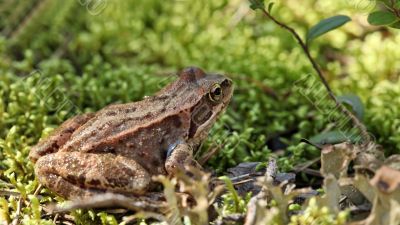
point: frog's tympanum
(119, 148)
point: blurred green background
(90, 54)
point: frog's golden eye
(215, 93)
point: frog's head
(213, 93)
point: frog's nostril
(227, 83)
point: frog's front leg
(79, 175)
(178, 157)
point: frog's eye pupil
(217, 91)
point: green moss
(384, 115)
(314, 214)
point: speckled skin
(119, 148)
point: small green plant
(313, 214)
(232, 202)
(386, 13)
(317, 30)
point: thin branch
(18, 212)
(306, 165)
(111, 200)
(9, 193)
(393, 7)
(355, 120)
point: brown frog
(119, 148)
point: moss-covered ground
(61, 58)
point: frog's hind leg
(58, 137)
(79, 175)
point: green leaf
(257, 4)
(378, 18)
(395, 25)
(261, 166)
(270, 5)
(231, 189)
(333, 137)
(326, 25)
(355, 102)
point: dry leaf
(386, 202)
(335, 159)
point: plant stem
(393, 7)
(357, 123)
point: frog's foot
(58, 137)
(79, 175)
